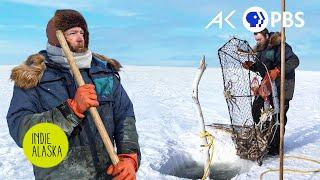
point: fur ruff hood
(29, 73)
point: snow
(168, 126)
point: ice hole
(183, 166)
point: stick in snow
(195, 98)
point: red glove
(247, 64)
(84, 98)
(274, 73)
(126, 167)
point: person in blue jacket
(45, 91)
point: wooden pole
(93, 110)
(282, 88)
(195, 98)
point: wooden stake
(282, 89)
(196, 81)
(93, 110)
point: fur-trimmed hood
(274, 40)
(29, 74)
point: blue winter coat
(43, 99)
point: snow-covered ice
(168, 127)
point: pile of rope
(295, 171)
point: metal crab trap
(251, 139)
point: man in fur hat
(268, 49)
(45, 91)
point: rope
(297, 171)
(210, 145)
(274, 128)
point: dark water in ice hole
(182, 166)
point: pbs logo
(255, 19)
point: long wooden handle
(282, 89)
(93, 110)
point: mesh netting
(237, 80)
(250, 140)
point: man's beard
(262, 46)
(78, 48)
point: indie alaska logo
(45, 145)
(255, 19)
